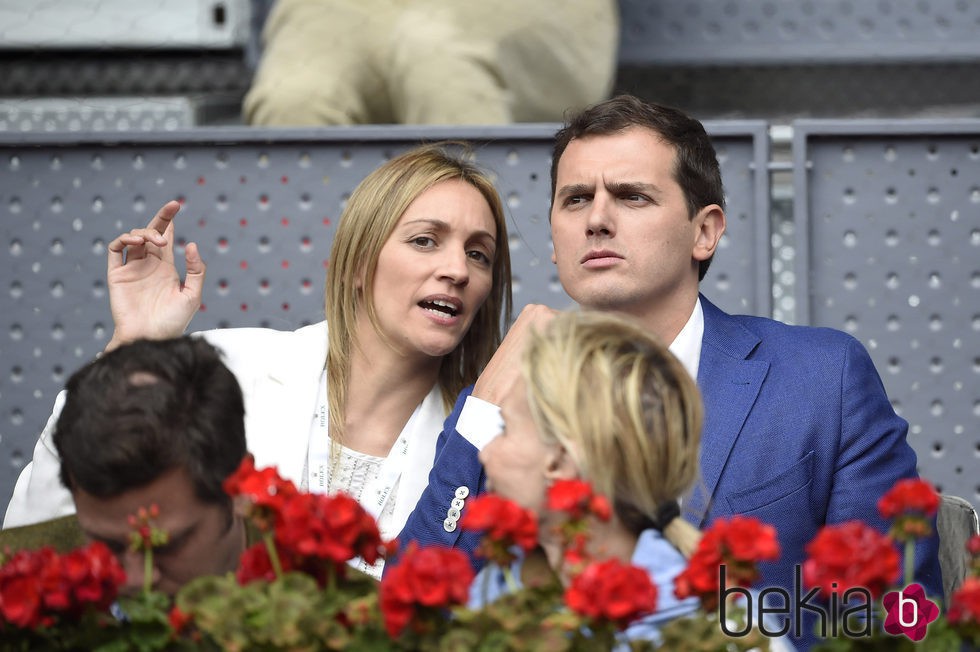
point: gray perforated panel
(888, 249)
(722, 32)
(96, 114)
(124, 24)
(262, 205)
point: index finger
(164, 217)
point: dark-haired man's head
(637, 211)
(694, 164)
(156, 422)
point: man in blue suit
(798, 430)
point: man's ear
(710, 226)
(559, 465)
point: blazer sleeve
(39, 495)
(874, 454)
(456, 474)
(62, 534)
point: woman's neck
(383, 390)
(606, 540)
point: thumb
(194, 279)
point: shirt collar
(686, 347)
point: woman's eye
(423, 241)
(480, 257)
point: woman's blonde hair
(369, 218)
(626, 411)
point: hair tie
(667, 512)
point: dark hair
(147, 408)
(696, 164)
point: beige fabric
(956, 523)
(432, 61)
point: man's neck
(666, 318)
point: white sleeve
(39, 494)
(479, 422)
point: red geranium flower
(911, 503)
(96, 577)
(611, 591)
(178, 619)
(973, 545)
(750, 540)
(738, 543)
(37, 587)
(506, 524)
(909, 495)
(425, 581)
(332, 528)
(851, 555)
(262, 492)
(964, 605)
(20, 601)
(576, 498)
(254, 564)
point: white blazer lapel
(421, 453)
(281, 396)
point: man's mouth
(599, 254)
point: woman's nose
(454, 266)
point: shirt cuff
(479, 422)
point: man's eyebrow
(176, 539)
(615, 187)
(109, 541)
(627, 187)
(576, 189)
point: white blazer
(279, 373)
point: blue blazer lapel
(729, 384)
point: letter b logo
(908, 612)
(903, 610)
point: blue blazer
(798, 433)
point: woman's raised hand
(146, 295)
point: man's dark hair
(147, 408)
(696, 169)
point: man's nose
(600, 218)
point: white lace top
(372, 481)
(352, 474)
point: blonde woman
(602, 400)
(418, 280)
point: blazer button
(453, 513)
(458, 503)
(449, 525)
(462, 492)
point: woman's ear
(559, 465)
